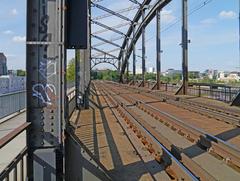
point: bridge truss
(47, 102)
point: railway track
(173, 167)
(212, 111)
(206, 142)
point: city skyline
(213, 31)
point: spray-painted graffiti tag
(43, 90)
(44, 93)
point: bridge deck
(105, 137)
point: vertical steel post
(158, 63)
(126, 55)
(77, 78)
(123, 57)
(143, 49)
(185, 45)
(239, 34)
(46, 88)
(134, 57)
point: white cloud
(14, 12)
(227, 15)
(19, 39)
(208, 21)
(7, 32)
(167, 16)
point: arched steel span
(97, 61)
(151, 14)
(131, 31)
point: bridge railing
(219, 92)
(11, 103)
(214, 91)
(14, 102)
(16, 169)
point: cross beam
(106, 41)
(118, 11)
(112, 40)
(107, 27)
(103, 52)
(111, 12)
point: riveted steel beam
(118, 11)
(111, 40)
(105, 40)
(104, 52)
(111, 12)
(108, 27)
(114, 27)
(46, 88)
(151, 14)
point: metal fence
(11, 103)
(213, 91)
(217, 92)
(16, 170)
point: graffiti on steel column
(45, 90)
(48, 68)
(45, 93)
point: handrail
(13, 165)
(12, 93)
(13, 134)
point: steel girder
(111, 61)
(105, 40)
(151, 14)
(111, 40)
(107, 27)
(104, 52)
(111, 12)
(135, 20)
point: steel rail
(151, 136)
(217, 113)
(226, 150)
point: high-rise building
(3, 64)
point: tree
(21, 73)
(71, 71)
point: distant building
(9, 83)
(151, 70)
(12, 72)
(211, 74)
(172, 72)
(3, 64)
(194, 74)
(228, 76)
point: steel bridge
(55, 118)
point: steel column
(126, 55)
(185, 46)
(123, 56)
(134, 57)
(45, 88)
(143, 49)
(77, 77)
(158, 63)
(119, 67)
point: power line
(179, 19)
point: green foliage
(71, 71)
(21, 73)
(105, 75)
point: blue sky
(213, 31)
